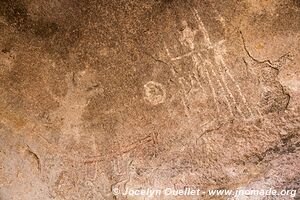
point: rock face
(98, 96)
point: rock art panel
(98, 99)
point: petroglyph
(154, 93)
(210, 75)
(202, 27)
(145, 141)
(187, 36)
(91, 170)
(82, 86)
(147, 94)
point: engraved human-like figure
(209, 81)
(81, 87)
(187, 36)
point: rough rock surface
(97, 94)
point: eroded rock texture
(97, 94)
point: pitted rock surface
(96, 95)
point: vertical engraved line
(237, 85)
(231, 95)
(184, 98)
(228, 90)
(195, 73)
(169, 55)
(202, 27)
(218, 80)
(211, 86)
